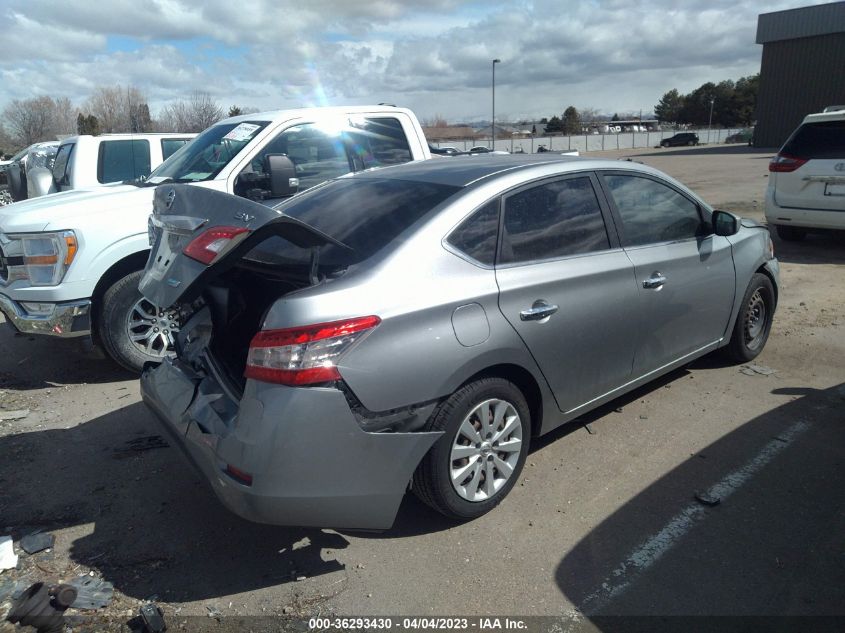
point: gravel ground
(603, 521)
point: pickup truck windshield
(207, 154)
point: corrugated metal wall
(802, 22)
(797, 77)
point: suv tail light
(304, 355)
(211, 244)
(785, 163)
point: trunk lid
(219, 225)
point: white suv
(807, 180)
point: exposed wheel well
(523, 379)
(765, 271)
(127, 265)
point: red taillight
(304, 355)
(785, 163)
(210, 244)
(239, 475)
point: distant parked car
(93, 161)
(444, 150)
(743, 136)
(682, 138)
(806, 188)
(36, 156)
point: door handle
(655, 281)
(539, 311)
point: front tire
(791, 233)
(132, 330)
(486, 432)
(754, 321)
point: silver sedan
(416, 326)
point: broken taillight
(211, 244)
(304, 355)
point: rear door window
(824, 139)
(551, 220)
(123, 160)
(652, 212)
(378, 142)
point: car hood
(58, 210)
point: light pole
(710, 120)
(493, 125)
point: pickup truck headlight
(42, 258)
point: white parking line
(654, 547)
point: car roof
(315, 112)
(833, 115)
(464, 170)
(124, 136)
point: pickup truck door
(322, 150)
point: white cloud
(435, 57)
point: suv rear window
(824, 139)
(366, 215)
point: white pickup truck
(70, 262)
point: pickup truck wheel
(754, 321)
(132, 329)
(486, 430)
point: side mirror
(282, 174)
(725, 223)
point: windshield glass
(207, 154)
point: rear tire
(464, 476)
(754, 321)
(119, 303)
(791, 233)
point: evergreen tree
(669, 107)
(571, 121)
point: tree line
(733, 103)
(109, 109)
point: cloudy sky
(431, 55)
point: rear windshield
(825, 139)
(365, 214)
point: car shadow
(151, 524)
(35, 362)
(769, 545)
(818, 247)
(711, 150)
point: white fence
(589, 142)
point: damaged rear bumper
(310, 461)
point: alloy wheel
(485, 450)
(151, 329)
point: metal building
(803, 68)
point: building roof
(822, 19)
